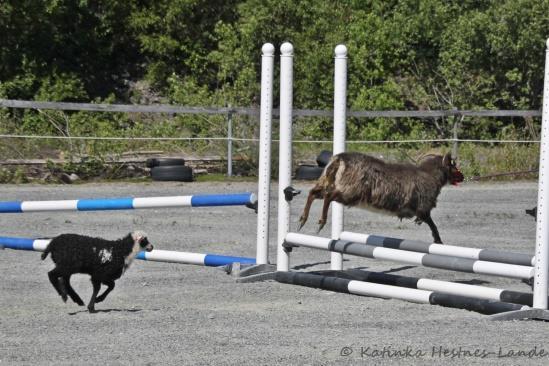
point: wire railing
(231, 111)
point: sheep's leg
(433, 227)
(110, 287)
(73, 295)
(55, 278)
(328, 198)
(314, 193)
(96, 286)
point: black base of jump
(515, 297)
(339, 282)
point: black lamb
(104, 260)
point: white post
(541, 265)
(230, 143)
(285, 160)
(340, 116)
(264, 179)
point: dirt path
(167, 314)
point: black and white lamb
(104, 260)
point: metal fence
(230, 111)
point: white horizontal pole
(409, 257)
(489, 255)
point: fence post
(230, 142)
(455, 133)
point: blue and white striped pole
(167, 256)
(129, 203)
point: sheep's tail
(328, 176)
(45, 252)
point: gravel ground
(162, 314)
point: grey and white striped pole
(340, 117)
(403, 256)
(489, 255)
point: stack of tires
(170, 169)
(312, 172)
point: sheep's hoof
(79, 303)
(92, 310)
(302, 221)
(321, 224)
(64, 298)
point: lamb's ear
(138, 236)
(447, 159)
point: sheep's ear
(447, 159)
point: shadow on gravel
(109, 311)
(398, 269)
(308, 265)
(473, 282)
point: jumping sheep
(399, 189)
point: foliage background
(403, 55)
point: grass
(475, 160)
(218, 177)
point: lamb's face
(145, 245)
(141, 240)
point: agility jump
(438, 256)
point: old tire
(179, 173)
(151, 163)
(308, 172)
(323, 158)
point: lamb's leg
(73, 295)
(433, 227)
(96, 286)
(314, 193)
(55, 278)
(110, 287)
